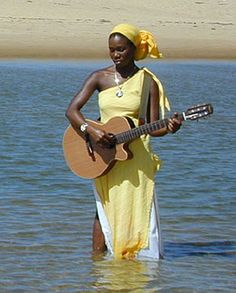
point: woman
(127, 218)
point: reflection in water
(117, 275)
(152, 276)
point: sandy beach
(79, 28)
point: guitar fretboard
(138, 131)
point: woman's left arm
(174, 123)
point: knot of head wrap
(143, 40)
(146, 45)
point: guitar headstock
(198, 112)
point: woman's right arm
(73, 112)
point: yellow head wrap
(143, 41)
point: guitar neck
(143, 129)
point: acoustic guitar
(90, 160)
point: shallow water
(46, 212)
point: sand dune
(79, 29)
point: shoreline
(78, 51)
(168, 54)
(98, 59)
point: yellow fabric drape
(164, 103)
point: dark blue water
(46, 212)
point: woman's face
(121, 50)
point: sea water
(46, 212)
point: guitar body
(90, 160)
(102, 159)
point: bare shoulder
(100, 73)
(104, 77)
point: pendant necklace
(119, 92)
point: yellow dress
(125, 198)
